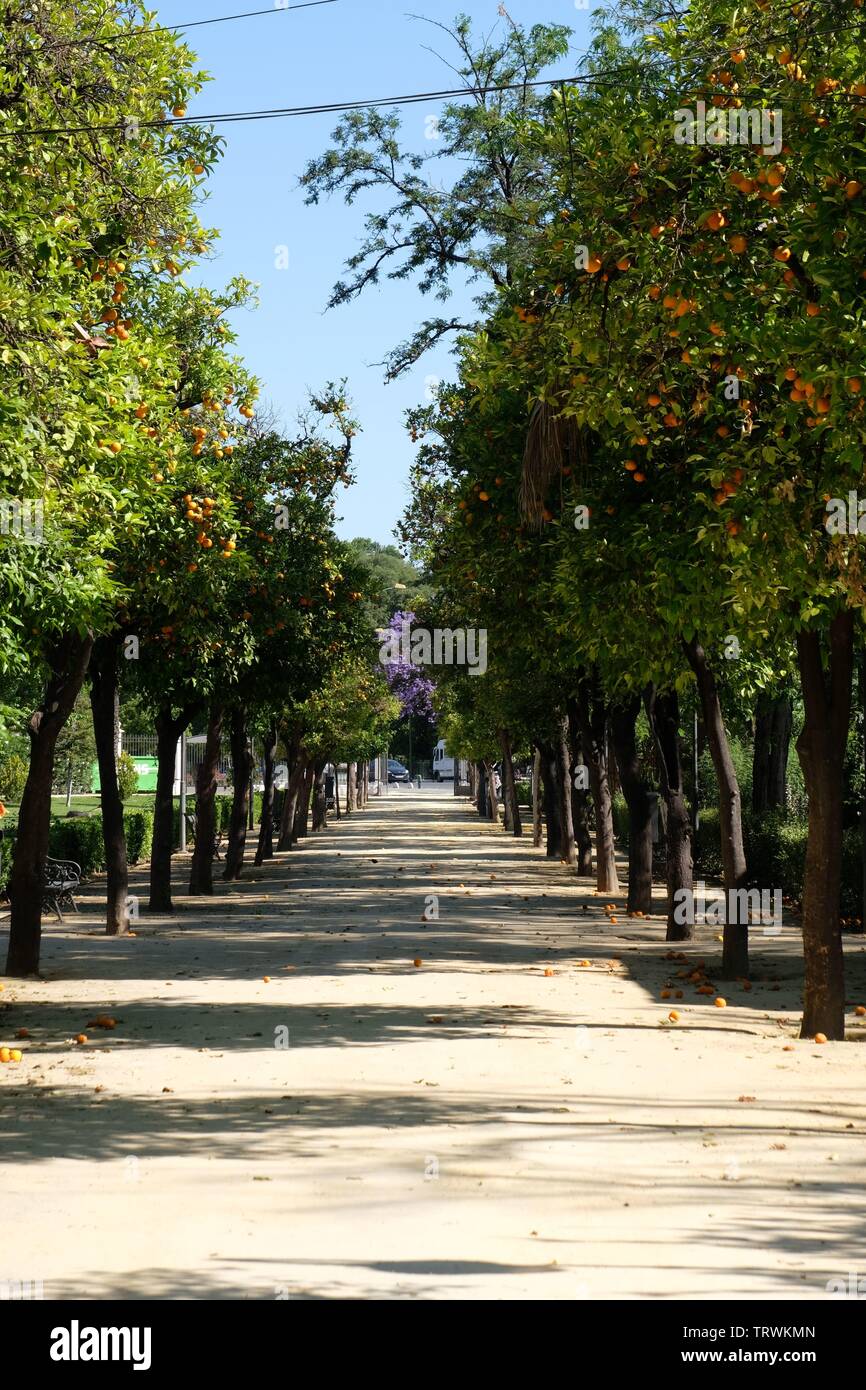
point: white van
(443, 766)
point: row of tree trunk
(573, 774)
(70, 661)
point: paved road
(514, 1118)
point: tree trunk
(640, 801)
(292, 802)
(302, 813)
(168, 731)
(581, 797)
(351, 788)
(67, 662)
(320, 801)
(821, 750)
(592, 714)
(567, 848)
(663, 712)
(242, 767)
(481, 783)
(201, 868)
(552, 799)
(103, 704)
(492, 797)
(509, 785)
(783, 721)
(296, 763)
(265, 847)
(735, 952)
(536, 799)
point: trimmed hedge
(775, 852)
(80, 838)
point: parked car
(397, 772)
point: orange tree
(691, 314)
(90, 218)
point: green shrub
(138, 827)
(13, 775)
(524, 793)
(78, 839)
(127, 777)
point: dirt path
(471, 1128)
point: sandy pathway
(472, 1128)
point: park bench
(190, 831)
(60, 879)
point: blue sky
(353, 49)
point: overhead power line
(196, 23)
(603, 77)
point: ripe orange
(639, 478)
(716, 220)
(81, 1038)
(860, 1010)
(594, 264)
(738, 244)
(782, 253)
(22, 1033)
(266, 979)
(5, 1054)
(820, 1038)
(15, 1055)
(417, 962)
(721, 1003)
(813, 309)
(674, 1016)
(854, 385)
(548, 973)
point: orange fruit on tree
(782, 253)
(738, 243)
(594, 264)
(716, 220)
(854, 385)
